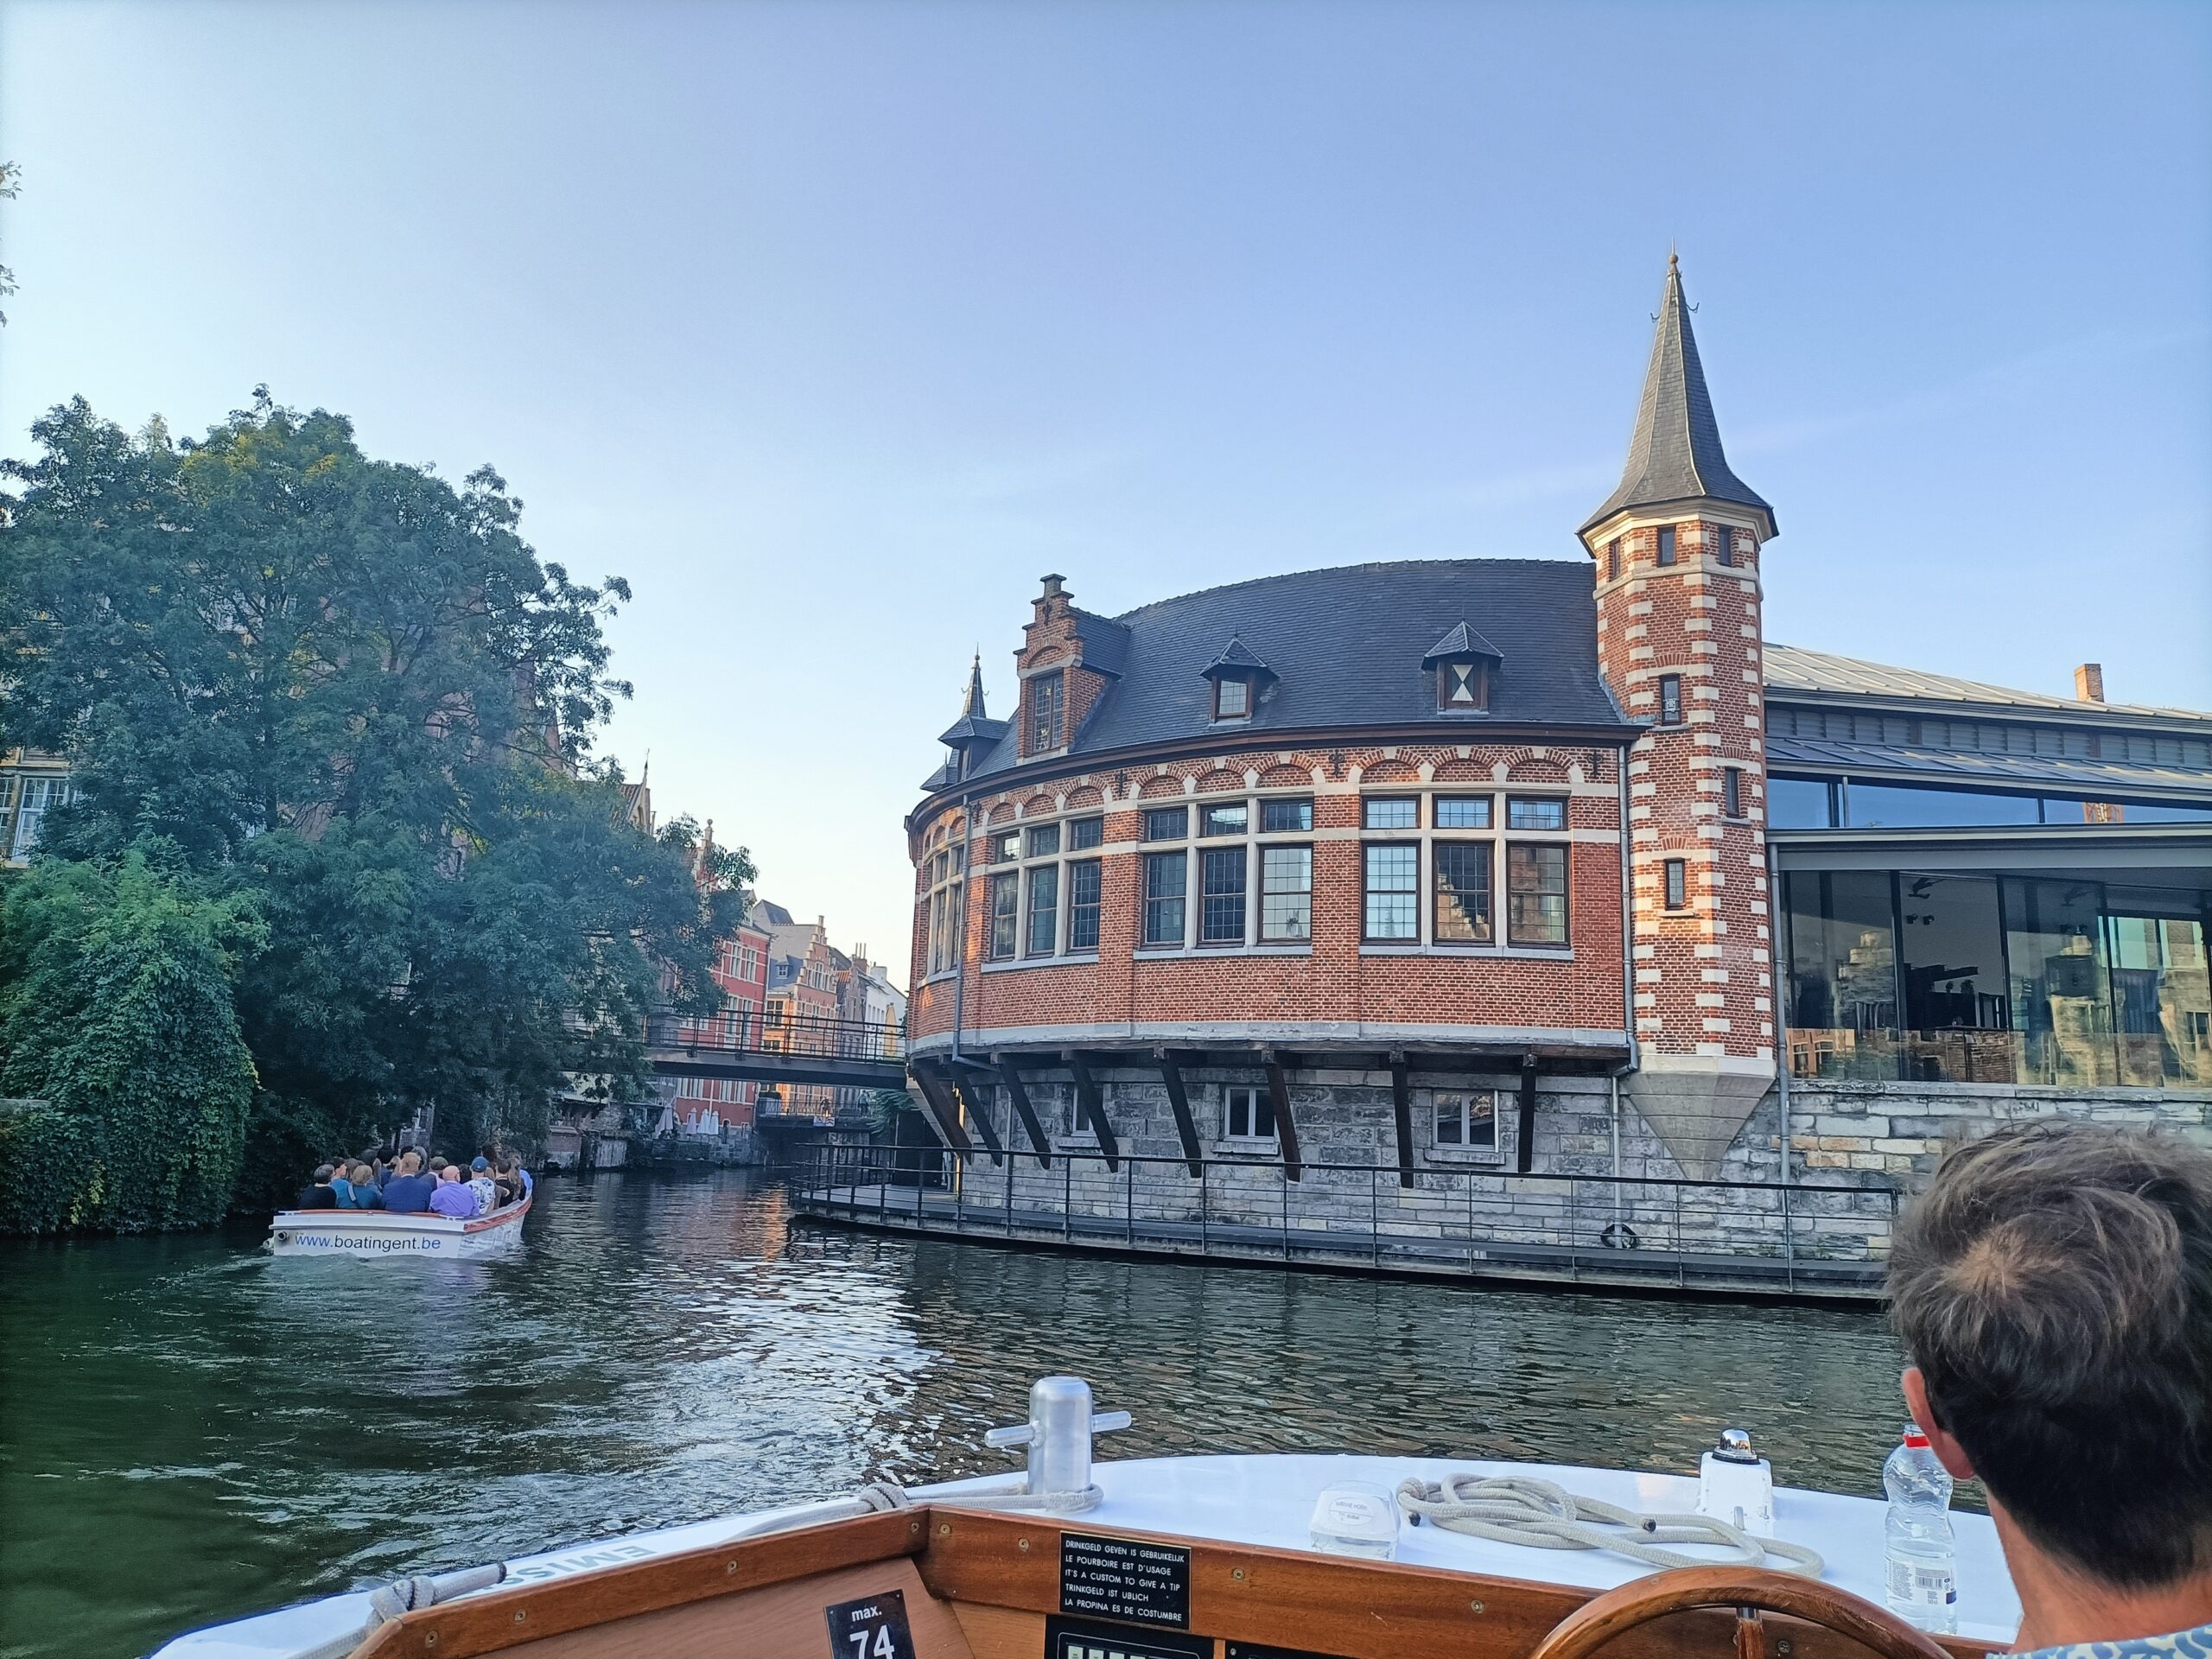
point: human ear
(1947, 1450)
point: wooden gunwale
(1280, 1598)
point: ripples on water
(193, 1431)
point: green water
(190, 1431)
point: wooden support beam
(1402, 1101)
(1186, 1127)
(1094, 1109)
(1039, 1142)
(943, 1111)
(1525, 1152)
(979, 1115)
(1294, 1166)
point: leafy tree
(116, 1013)
(341, 696)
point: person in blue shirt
(408, 1191)
(366, 1195)
(2053, 1286)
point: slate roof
(1788, 669)
(1344, 646)
(1235, 655)
(1462, 642)
(1675, 453)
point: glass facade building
(1950, 977)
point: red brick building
(1331, 866)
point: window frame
(1095, 908)
(1237, 857)
(1257, 1099)
(1669, 687)
(1147, 939)
(1564, 848)
(1045, 711)
(1045, 870)
(1462, 1108)
(1731, 792)
(1304, 890)
(1724, 546)
(1497, 833)
(1369, 891)
(1675, 892)
(1477, 678)
(1009, 883)
(1458, 845)
(1221, 711)
(1665, 550)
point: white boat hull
(1267, 1501)
(379, 1235)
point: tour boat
(1282, 1556)
(382, 1233)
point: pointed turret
(974, 735)
(1675, 455)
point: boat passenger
(2053, 1287)
(318, 1196)
(341, 1182)
(453, 1197)
(365, 1193)
(481, 1183)
(408, 1191)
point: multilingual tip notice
(1124, 1578)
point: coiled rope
(1518, 1509)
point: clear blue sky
(833, 326)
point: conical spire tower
(1675, 455)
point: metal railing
(732, 1031)
(1450, 1218)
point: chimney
(1053, 586)
(2090, 683)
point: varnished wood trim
(504, 1619)
(1606, 1619)
(1330, 1605)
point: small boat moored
(375, 1233)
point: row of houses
(781, 980)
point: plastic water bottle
(1922, 1581)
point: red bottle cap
(1914, 1437)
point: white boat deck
(1266, 1501)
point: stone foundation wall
(1867, 1145)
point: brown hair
(2053, 1285)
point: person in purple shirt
(453, 1197)
(408, 1191)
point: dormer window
(1464, 664)
(1463, 684)
(1046, 712)
(1236, 675)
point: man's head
(449, 1173)
(2053, 1287)
(411, 1163)
(480, 1166)
(322, 1174)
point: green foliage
(115, 1012)
(344, 697)
(885, 1107)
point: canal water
(190, 1431)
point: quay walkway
(1765, 1239)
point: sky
(832, 328)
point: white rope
(1517, 1509)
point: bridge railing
(734, 1031)
(1454, 1217)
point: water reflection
(194, 1431)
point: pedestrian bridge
(766, 1048)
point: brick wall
(1335, 978)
